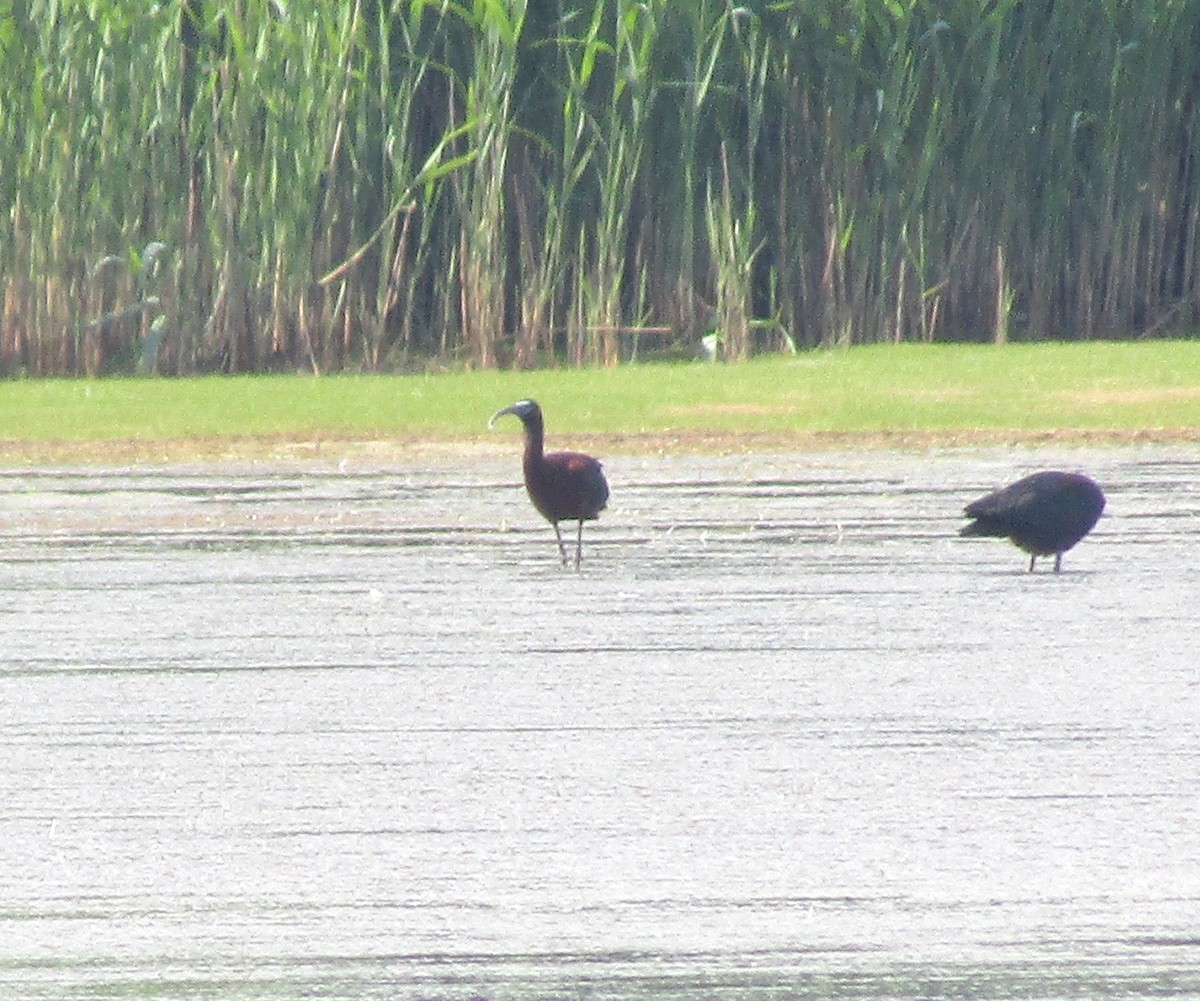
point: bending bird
(1045, 514)
(564, 486)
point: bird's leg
(1032, 561)
(1058, 562)
(579, 546)
(562, 550)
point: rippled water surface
(353, 733)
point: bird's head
(527, 410)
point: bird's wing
(1008, 502)
(586, 477)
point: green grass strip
(1120, 386)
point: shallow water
(353, 733)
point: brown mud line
(405, 447)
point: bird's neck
(534, 442)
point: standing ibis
(1044, 514)
(564, 486)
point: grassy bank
(946, 393)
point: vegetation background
(245, 185)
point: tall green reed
(623, 102)
(484, 98)
(555, 162)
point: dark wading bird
(564, 486)
(1045, 514)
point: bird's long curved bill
(500, 413)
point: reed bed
(244, 185)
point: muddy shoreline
(335, 448)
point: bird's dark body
(564, 486)
(1045, 514)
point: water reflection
(299, 732)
